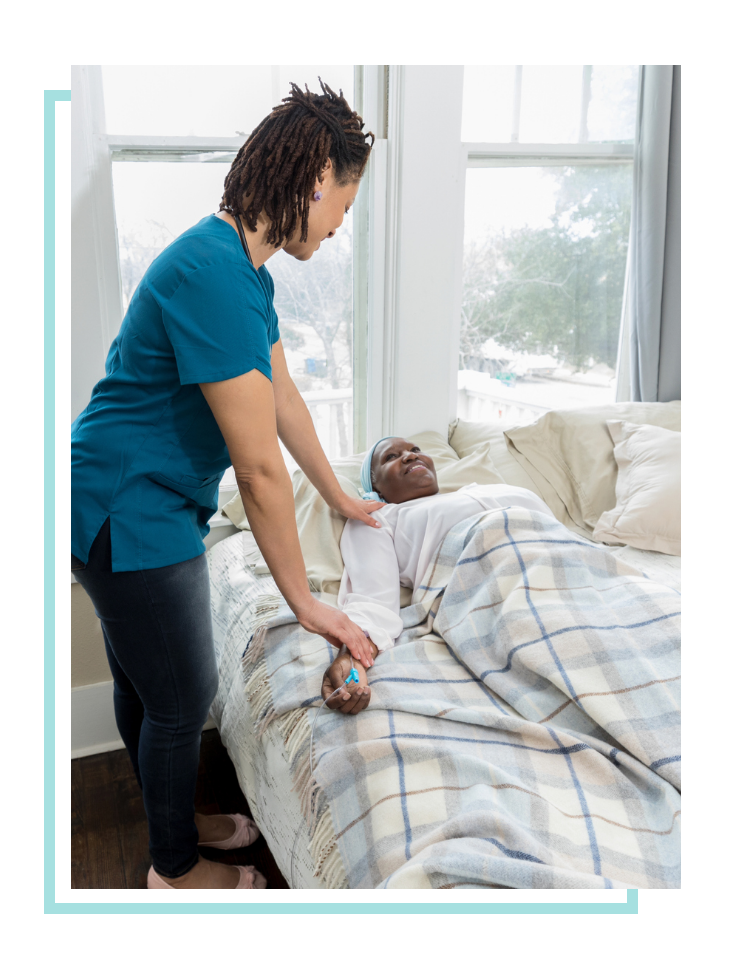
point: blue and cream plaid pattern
(523, 732)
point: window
(173, 133)
(547, 209)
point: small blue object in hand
(352, 677)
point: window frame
(408, 237)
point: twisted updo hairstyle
(276, 168)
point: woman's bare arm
(244, 410)
(297, 432)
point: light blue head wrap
(368, 492)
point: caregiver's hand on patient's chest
(353, 508)
(353, 698)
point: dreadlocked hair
(276, 168)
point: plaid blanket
(523, 732)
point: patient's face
(400, 471)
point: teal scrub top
(147, 451)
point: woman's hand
(353, 698)
(353, 508)
(337, 628)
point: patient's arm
(354, 697)
(369, 590)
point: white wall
(425, 195)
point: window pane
(223, 100)
(545, 251)
(557, 103)
(156, 202)
(314, 300)
(613, 106)
(488, 93)
(551, 103)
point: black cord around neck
(242, 236)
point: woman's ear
(327, 168)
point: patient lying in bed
(377, 562)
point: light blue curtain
(654, 299)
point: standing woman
(195, 381)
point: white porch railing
(324, 407)
(485, 405)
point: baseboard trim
(93, 721)
(97, 748)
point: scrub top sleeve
(275, 334)
(219, 322)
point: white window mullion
(96, 292)
(368, 262)
(175, 149)
(547, 154)
(425, 176)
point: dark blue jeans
(158, 637)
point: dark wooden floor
(109, 833)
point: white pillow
(648, 490)
(467, 437)
(568, 454)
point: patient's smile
(393, 461)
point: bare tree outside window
(314, 302)
(137, 249)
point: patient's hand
(353, 698)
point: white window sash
(480, 154)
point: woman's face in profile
(400, 471)
(326, 216)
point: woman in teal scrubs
(195, 381)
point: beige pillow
(320, 527)
(569, 455)
(466, 437)
(648, 510)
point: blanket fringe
(258, 694)
(266, 606)
(295, 729)
(326, 855)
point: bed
(245, 598)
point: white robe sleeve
(369, 589)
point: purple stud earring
(318, 194)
